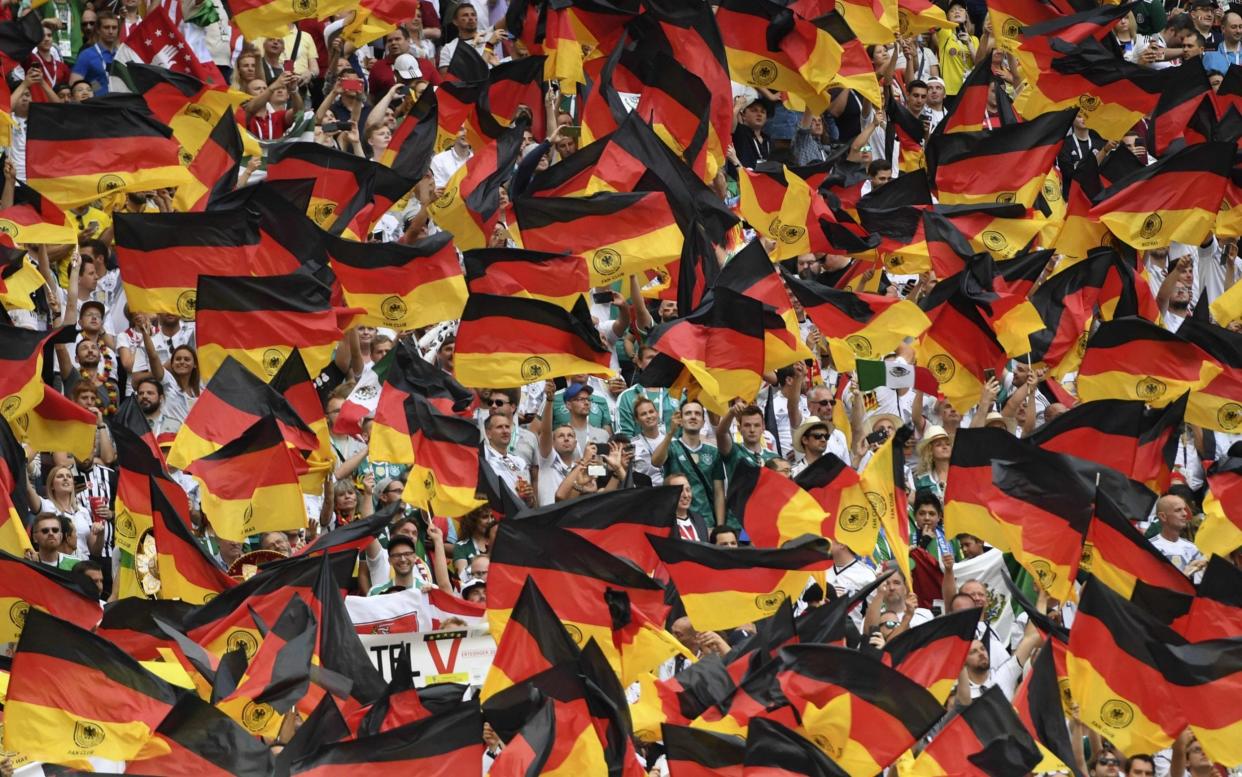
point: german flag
(79, 152)
(129, 623)
(374, 19)
(602, 108)
(677, 104)
(137, 462)
(932, 654)
(1039, 702)
(1122, 434)
(1021, 499)
(1225, 309)
(615, 234)
(400, 286)
(470, 206)
(779, 204)
(856, 70)
(874, 21)
(985, 738)
(34, 219)
(1221, 531)
(533, 641)
(1192, 181)
(1131, 358)
(1113, 675)
(963, 164)
(59, 424)
(558, 739)
(720, 345)
(773, 48)
(21, 357)
(251, 484)
(447, 461)
(214, 167)
(915, 17)
(722, 588)
(25, 585)
(266, 19)
(1197, 674)
(73, 695)
(504, 342)
(293, 382)
(774, 508)
(277, 675)
(445, 743)
(1117, 555)
(259, 321)
(559, 278)
(617, 521)
(1114, 94)
(413, 141)
(685, 696)
(1216, 610)
(202, 740)
(868, 714)
(350, 192)
(860, 325)
(233, 401)
(905, 133)
(186, 571)
(1066, 302)
(774, 749)
(1182, 111)
(191, 104)
(1215, 406)
(584, 585)
(694, 752)
(511, 89)
(162, 255)
(1014, 319)
(960, 344)
(406, 374)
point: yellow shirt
(956, 60)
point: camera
(877, 437)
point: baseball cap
(406, 66)
(574, 389)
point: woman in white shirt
(181, 381)
(650, 433)
(62, 501)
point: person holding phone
(956, 48)
(274, 107)
(62, 501)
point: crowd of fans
(556, 440)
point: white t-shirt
(1181, 552)
(851, 579)
(644, 447)
(445, 165)
(1006, 676)
(552, 472)
(509, 467)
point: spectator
(93, 63)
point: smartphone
(338, 126)
(601, 297)
(79, 482)
(352, 84)
(596, 470)
(288, 65)
(989, 374)
(402, 90)
(877, 437)
(572, 131)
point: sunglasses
(393, 490)
(822, 402)
(818, 435)
(47, 530)
(1108, 762)
(866, 149)
(497, 402)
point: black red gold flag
(444, 451)
(685, 696)
(79, 152)
(1066, 302)
(560, 278)
(214, 168)
(960, 346)
(720, 345)
(1221, 530)
(1192, 182)
(1040, 702)
(617, 521)
(413, 141)
(750, 272)
(231, 402)
(886, 711)
(505, 342)
(906, 133)
(965, 111)
(722, 588)
(558, 736)
(265, 18)
(962, 165)
(866, 326)
(130, 624)
(202, 740)
(57, 423)
(1215, 612)
(408, 374)
(21, 365)
(73, 695)
(350, 194)
(35, 219)
(932, 654)
(25, 585)
(1130, 358)
(258, 321)
(18, 36)
(1184, 113)
(187, 572)
(445, 744)
(615, 234)
(533, 641)
(694, 752)
(1215, 405)
(774, 749)
(1117, 555)
(162, 255)
(400, 286)
(470, 207)
(985, 738)
(1114, 677)
(583, 585)
(15, 510)
(1023, 500)
(782, 206)
(250, 485)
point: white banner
(450, 656)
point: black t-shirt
(750, 150)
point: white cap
(406, 66)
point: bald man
(1174, 515)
